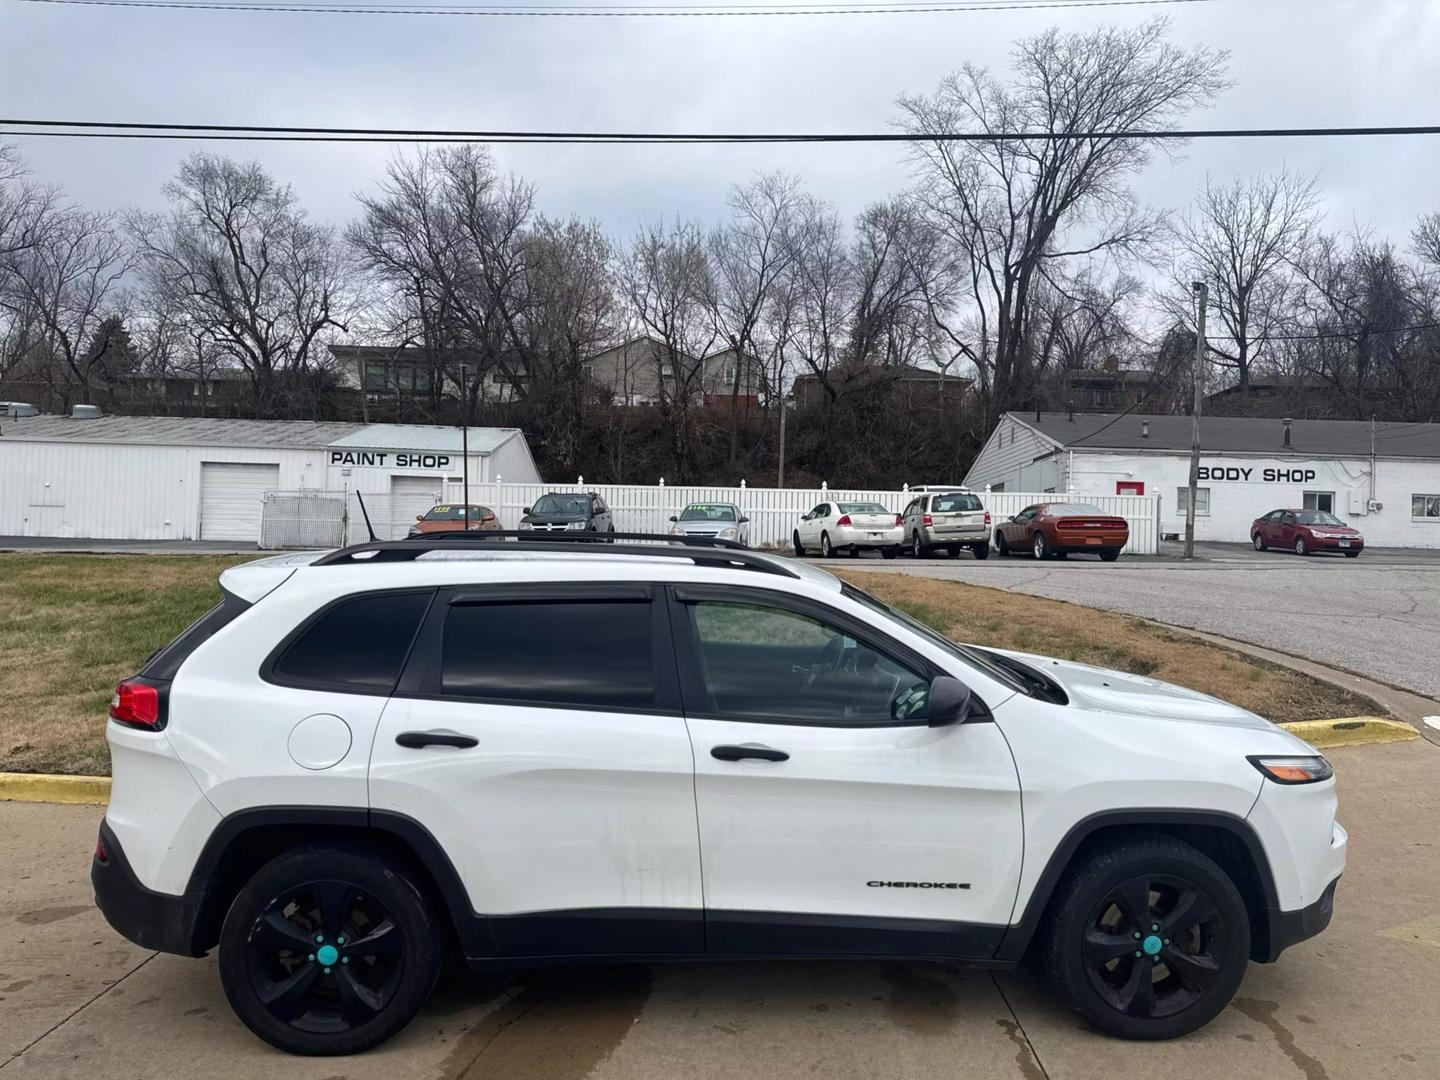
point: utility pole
(465, 440)
(780, 464)
(1201, 296)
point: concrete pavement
(1378, 615)
(1358, 1002)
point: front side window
(595, 654)
(768, 664)
(359, 644)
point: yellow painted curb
(43, 787)
(1351, 731)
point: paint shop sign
(382, 459)
(1256, 474)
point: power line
(255, 132)
(318, 7)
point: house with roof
(1381, 478)
(909, 384)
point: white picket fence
(773, 512)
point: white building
(174, 478)
(1385, 482)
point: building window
(1320, 500)
(1202, 500)
(1425, 507)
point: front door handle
(748, 752)
(416, 740)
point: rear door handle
(748, 752)
(416, 740)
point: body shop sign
(1256, 474)
(381, 459)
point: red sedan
(1050, 530)
(1305, 532)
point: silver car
(949, 520)
(712, 519)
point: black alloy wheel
(329, 951)
(1150, 940)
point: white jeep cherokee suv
(668, 751)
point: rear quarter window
(357, 645)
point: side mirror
(1014, 517)
(674, 518)
(526, 510)
(743, 520)
(950, 702)
(419, 517)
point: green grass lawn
(72, 626)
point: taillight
(927, 521)
(844, 520)
(987, 517)
(899, 519)
(136, 704)
(101, 855)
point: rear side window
(359, 644)
(591, 653)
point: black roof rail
(709, 550)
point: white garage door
(411, 496)
(231, 494)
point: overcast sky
(1294, 62)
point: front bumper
(1291, 927)
(152, 920)
(1334, 544)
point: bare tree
(1013, 208)
(1242, 239)
(669, 288)
(254, 278)
(750, 255)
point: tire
(917, 549)
(854, 551)
(891, 552)
(1352, 554)
(1109, 554)
(1090, 951)
(1259, 542)
(982, 551)
(1002, 545)
(1301, 548)
(330, 894)
(799, 547)
(1041, 546)
(826, 551)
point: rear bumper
(891, 537)
(1291, 927)
(937, 538)
(150, 919)
(1083, 541)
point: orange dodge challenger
(1050, 530)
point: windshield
(862, 508)
(955, 504)
(974, 657)
(708, 512)
(561, 504)
(1318, 517)
(454, 513)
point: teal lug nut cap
(1152, 945)
(328, 954)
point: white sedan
(849, 526)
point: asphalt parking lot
(1378, 615)
(76, 1001)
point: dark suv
(556, 512)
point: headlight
(675, 530)
(727, 534)
(525, 526)
(575, 526)
(1293, 770)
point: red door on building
(1129, 487)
